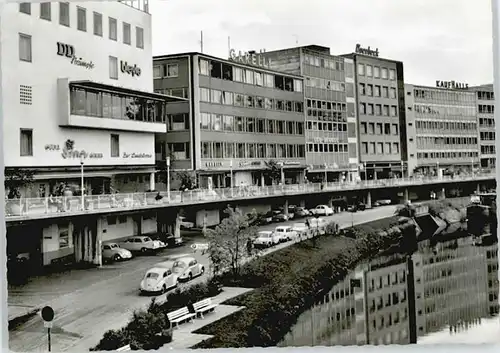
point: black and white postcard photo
(201, 174)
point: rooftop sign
(451, 84)
(250, 58)
(366, 51)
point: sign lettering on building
(213, 164)
(69, 152)
(366, 51)
(250, 58)
(128, 69)
(451, 84)
(250, 164)
(136, 155)
(69, 52)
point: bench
(204, 306)
(180, 315)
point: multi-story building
(486, 119)
(380, 114)
(241, 115)
(492, 276)
(442, 130)
(331, 136)
(77, 91)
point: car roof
(299, 224)
(265, 232)
(109, 244)
(156, 270)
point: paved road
(89, 302)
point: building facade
(241, 116)
(486, 120)
(380, 114)
(77, 90)
(331, 133)
(442, 130)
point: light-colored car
(142, 244)
(286, 233)
(382, 202)
(113, 252)
(301, 229)
(184, 224)
(317, 225)
(158, 279)
(301, 212)
(266, 239)
(186, 268)
(322, 210)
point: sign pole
(48, 336)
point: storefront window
(63, 235)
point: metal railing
(55, 206)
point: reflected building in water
(395, 299)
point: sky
(435, 39)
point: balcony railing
(66, 205)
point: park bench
(204, 306)
(180, 315)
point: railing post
(46, 205)
(21, 211)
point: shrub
(112, 340)
(332, 228)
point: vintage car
(142, 244)
(186, 268)
(113, 252)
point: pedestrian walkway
(19, 311)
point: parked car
(158, 279)
(184, 224)
(186, 268)
(113, 252)
(286, 233)
(360, 206)
(382, 202)
(301, 212)
(169, 239)
(266, 218)
(291, 211)
(266, 239)
(142, 244)
(279, 216)
(301, 229)
(322, 210)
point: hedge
(290, 280)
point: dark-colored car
(301, 212)
(279, 216)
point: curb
(16, 319)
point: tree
(16, 179)
(273, 170)
(227, 243)
(186, 179)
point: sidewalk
(20, 311)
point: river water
(443, 293)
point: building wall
(486, 122)
(447, 129)
(378, 110)
(411, 131)
(30, 91)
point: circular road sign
(47, 314)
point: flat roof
(122, 90)
(464, 90)
(226, 61)
(349, 55)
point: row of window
(444, 125)
(229, 72)
(391, 299)
(178, 122)
(327, 115)
(425, 142)
(377, 91)
(376, 72)
(380, 148)
(26, 144)
(443, 110)
(485, 95)
(249, 101)
(378, 109)
(486, 109)
(391, 279)
(321, 126)
(447, 155)
(219, 122)
(181, 92)
(322, 83)
(444, 95)
(325, 105)
(488, 149)
(487, 136)
(179, 150)
(165, 70)
(331, 63)
(327, 147)
(81, 23)
(116, 106)
(229, 150)
(382, 129)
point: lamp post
(402, 170)
(366, 171)
(231, 174)
(82, 183)
(326, 172)
(167, 161)
(472, 166)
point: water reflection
(398, 299)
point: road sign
(47, 313)
(47, 324)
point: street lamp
(231, 173)
(326, 173)
(168, 177)
(82, 182)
